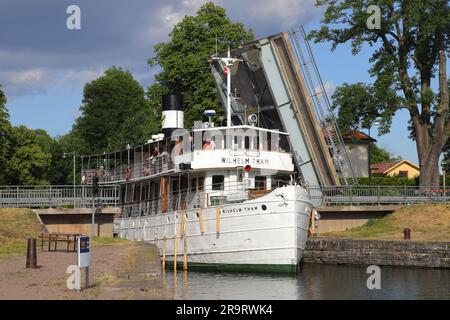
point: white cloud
(24, 77)
(60, 66)
(164, 18)
(36, 81)
(290, 13)
(328, 86)
(31, 81)
(83, 76)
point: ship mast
(228, 61)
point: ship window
(194, 184)
(201, 183)
(284, 144)
(217, 182)
(260, 183)
(280, 180)
(237, 143)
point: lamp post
(74, 172)
(375, 122)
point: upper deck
(197, 150)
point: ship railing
(146, 168)
(141, 161)
(191, 199)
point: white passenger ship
(217, 197)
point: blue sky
(44, 66)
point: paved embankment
(379, 252)
(126, 271)
(143, 275)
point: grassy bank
(16, 225)
(427, 223)
(98, 241)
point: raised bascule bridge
(276, 78)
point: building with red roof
(357, 144)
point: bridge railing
(376, 195)
(81, 196)
(57, 196)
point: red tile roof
(382, 167)
(357, 135)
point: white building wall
(359, 158)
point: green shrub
(388, 181)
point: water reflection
(312, 282)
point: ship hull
(267, 234)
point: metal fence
(81, 196)
(57, 196)
(376, 195)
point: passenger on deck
(128, 173)
(208, 145)
(155, 152)
(85, 178)
(146, 170)
(101, 173)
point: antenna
(229, 62)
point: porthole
(264, 207)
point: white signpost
(84, 260)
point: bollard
(31, 254)
(407, 233)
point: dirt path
(112, 269)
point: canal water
(314, 281)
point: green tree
(379, 154)
(184, 59)
(411, 49)
(359, 105)
(115, 111)
(5, 129)
(44, 140)
(28, 163)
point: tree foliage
(184, 59)
(359, 105)
(115, 112)
(5, 129)
(379, 154)
(28, 163)
(411, 48)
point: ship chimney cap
(209, 113)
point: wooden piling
(217, 219)
(313, 222)
(164, 254)
(175, 251)
(201, 221)
(183, 223)
(185, 252)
